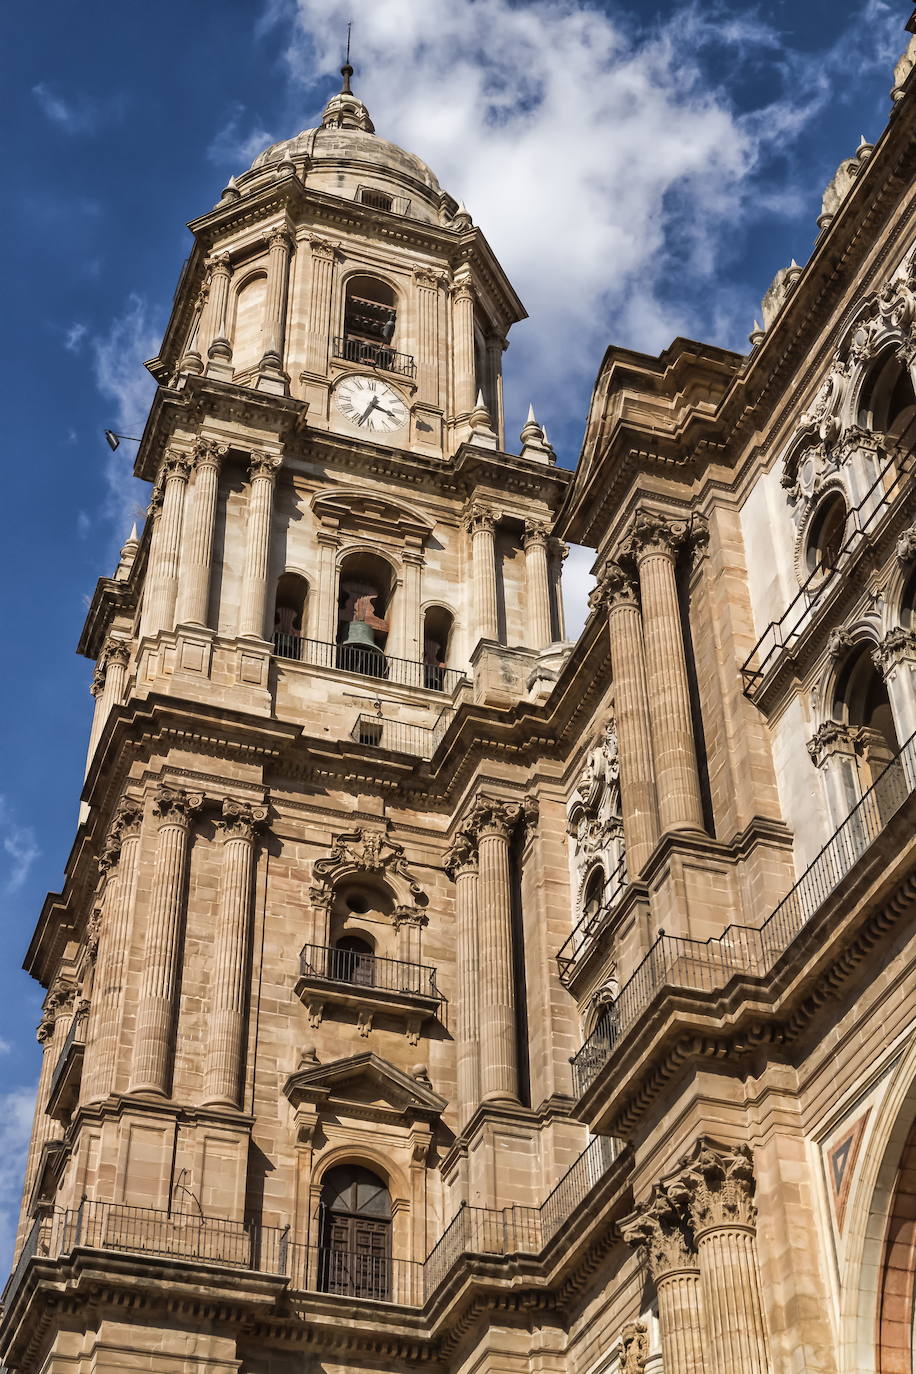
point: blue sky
(642, 169)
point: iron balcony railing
(75, 1036)
(709, 965)
(363, 970)
(865, 522)
(374, 355)
(119, 1228)
(368, 662)
(587, 932)
(401, 737)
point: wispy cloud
(19, 848)
(74, 114)
(118, 358)
(16, 1110)
(73, 338)
(238, 142)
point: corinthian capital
(830, 738)
(429, 278)
(126, 822)
(614, 587)
(219, 265)
(490, 816)
(716, 1189)
(263, 464)
(209, 453)
(323, 248)
(174, 807)
(898, 644)
(660, 1234)
(115, 651)
(279, 237)
(463, 291)
(480, 516)
(239, 821)
(535, 532)
(653, 533)
(176, 466)
(461, 857)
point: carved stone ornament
(480, 516)
(717, 1188)
(830, 738)
(594, 822)
(460, 857)
(614, 587)
(821, 414)
(463, 291)
(45, 1031)
(535, 532)
(219, 265)
(896, 646)
(490, 816)
(239, 821)
(366, 851)
(209, 453)
(653, 533)
(126, 822)
(661, 1234)
(176, 466)
(279, 237)
(429, 278)
(634, 1348)
(263, 464)
(174, 807)
(408, 916)
(323, 248)
(906, 545)
(839, 642)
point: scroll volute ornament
(126, 822)
(263, 464)
(239, 821)
(717, 1188)
(175, 807)
(490, 816)
(614, 587)
(654, 533)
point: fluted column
(480, 522)
(194, 591)
(429, 284)
(463, 357)
(537, 582)
(152, 1057)
(654, 544)
(215, 326)
(717, 1190)
(559, 552)
(162, 572)
(325, 625)
(409, 613)
(120, 859)
(52, 1031)
(665, 1246)
(264, 468)
(895, 659)
(318, 325)
(616, 591)
(461, 865)
(495, 348)
(223, 1071)
(108, 683)
(279, 248)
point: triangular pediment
(364, 1085)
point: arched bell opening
(365, 590)
(290, 609)
(861, 702)
(438, 625)
(887, 403)
(370, 322)
(355, 1230)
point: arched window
(437, 635)
(888, 401)
(364, 598)
(353, 961)
(826, 534)
(355, 1234)
(370, 321)
(861, 701)
(593, 899)
(290, 615)
(248, 330)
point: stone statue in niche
(595, 824)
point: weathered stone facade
(427, 991)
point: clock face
(371, 404)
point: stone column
(215, 327)
(495, 347)
(559, 552)
(279, 248)
(665, 1246)
(480, 522)
(318, 326)
(895, 659)
(833, 749)
(409, 613)
(461, 866)
(537, 582)
(152, 1057)
(108, 683)
(52, 1031)
(491, 823)
(263, 470)
(429, 284)
(120, 859)
(325, 629)
(162, 571)
(223, 1079)
(716, 1191)
(654, 544)
(464, 374)
(194, 593)
(616, 591)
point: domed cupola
(345, 110)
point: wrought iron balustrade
(368, 662)
(365, 970)
(709, 965)
(401, 737)
(865, 522)
(586, 933)
(374, 355)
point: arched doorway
(355, 1234)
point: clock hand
(368, 411)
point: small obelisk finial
(346, 70)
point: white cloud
(234, 146)
(16, 1110)
(118, 358)
(73, 339)
(608, 163)
(577, 583)
(19, 848)
(76, 115)
(5, 1046)
(83, 524)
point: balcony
(367, 662)
(367, 984)
(63, 1093)
(374, 355)
(248, 1249)
(867, 522)
(587, 935)
(398, 736)
(708, 966)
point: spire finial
(346, 70)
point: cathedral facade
(427, 990)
